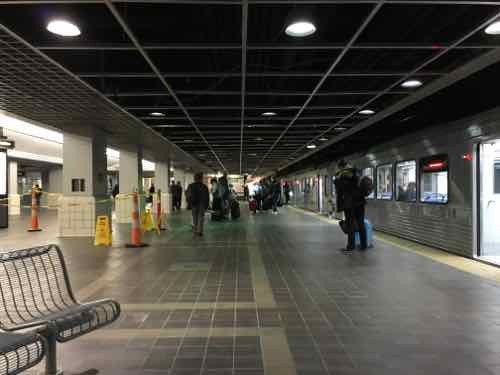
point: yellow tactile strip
(471, 266)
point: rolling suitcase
(235, 209)
(369, 235)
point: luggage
(235, 209)
(369, 235)
(252, 205)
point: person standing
(172, 194)
(351, 200)
(286, 191)
(246, 192)
(199, 199)
(178, 196)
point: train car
(439, 187)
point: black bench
(19, 352)
(35, 294)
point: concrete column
(130, 177)
(54, 186)
(14, 197)
(162, 183)
(83, 185)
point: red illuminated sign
(435, 165)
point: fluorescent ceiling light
(63, 28)
(412, 83)
(147, 165)
(23, 127)
(300, 29)
(311, 146)
(269, 114)
(6, 143)
(112, 154)
(188, 140)
(366, 112)
(29, 156)
(323, 139)
(340, 129)
(259, 139)
(157, 114)
(493, 29)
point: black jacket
(347, 189)
(198, 195)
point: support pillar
(14, 197)
(83, 185)
(130, 177)
(162, 183)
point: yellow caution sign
(102, 232)
(147, 221)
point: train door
(489, 201)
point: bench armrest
(41, 323)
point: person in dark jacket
(199, 199)
(351, 200)
(178, 195)
(275, 194)
(286, 191)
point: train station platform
(272, 294)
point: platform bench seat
(36, 295)
(19, 352)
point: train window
(406, 181)
(384, 182)
(496, 181)
(368, 172)
(434, 181)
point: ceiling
(212, 67)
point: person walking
(286, 191)
(199, 199)
(351, 200)
(275, 194)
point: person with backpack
(351, 200)
(199, 199)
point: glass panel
(434, 181)
(384, 182)
(406, 181)
(368, 172)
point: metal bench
(35, 293)
(19, 352)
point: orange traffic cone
(135, 232)
(34, 212)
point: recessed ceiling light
(157, 114)
(311, 146)
(323, 139)
(300, 29)
(412, 83)
(493, 29)
(259, 139)
(252, 154)
(340, 129)
(63, 28)
(268, 114)
(366, 112)
(250, 126)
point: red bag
(252, 205)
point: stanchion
(34, 212)
(135, 232)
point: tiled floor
(274, 295)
